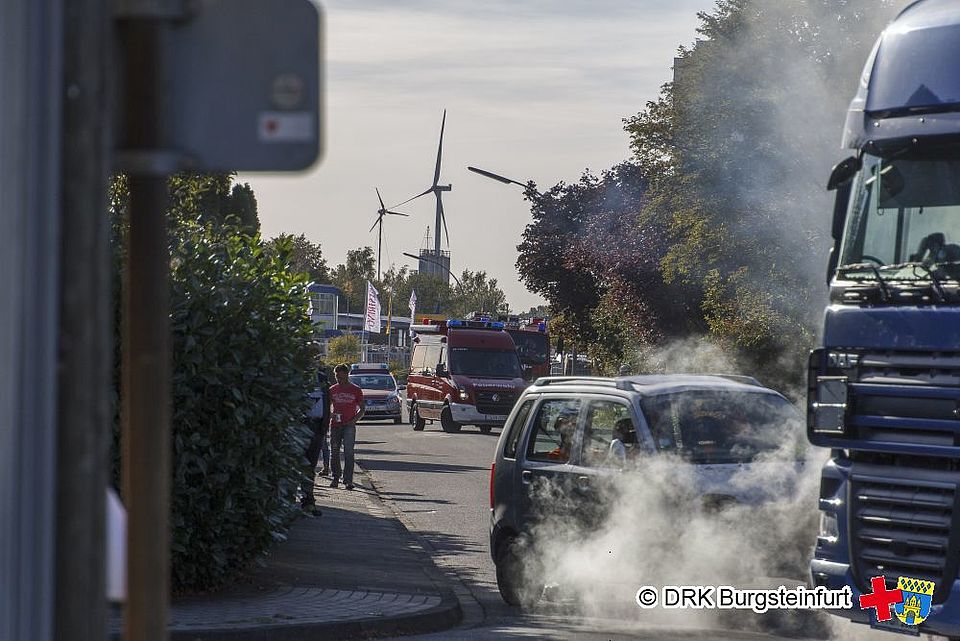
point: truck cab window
(904, 211)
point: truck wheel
(447, 422)
(485, 429)
(515, 579)
(416, 420)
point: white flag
(413, 310)
(371, 322)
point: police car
(380, 394)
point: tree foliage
(352, 276)
(718, 223)
(301, 256)
(343, 349)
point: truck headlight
(830, 407)
(393, 399)
(829, 529)
(464, 395)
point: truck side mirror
(843, 171)
(441, 369)
(527, 372)
(836, 228)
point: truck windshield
(904, 219)
(721, 427)
(532, 347)
(485, 363)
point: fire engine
(463, 372)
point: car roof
(653, 384)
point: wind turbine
(383, 211)
(437, 189)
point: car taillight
(493, 467)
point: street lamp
(430, 260)
(503, 179)
(441, 265)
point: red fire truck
(533, 343)
(463, 372)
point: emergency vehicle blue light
(454, 323)
(542, 327)
(496, 325)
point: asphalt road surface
(438, 484)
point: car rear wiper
(884, 287)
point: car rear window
(515, 429)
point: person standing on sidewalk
(318, 419)
(346, 400)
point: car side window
(553, 430)
(609, 436)
(515, 429)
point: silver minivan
(571, 433)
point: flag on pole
(413, 310)
(389, 310)
(371, 322)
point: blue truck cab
(884, 390)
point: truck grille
(907, 398)
(499, 403)
(901, 527)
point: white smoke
(652, 526)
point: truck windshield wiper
(934, 279)
(884, 287)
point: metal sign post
(216, 85)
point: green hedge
(241, 367)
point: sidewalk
(356, 572)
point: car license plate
(897, 626)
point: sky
(534, 90)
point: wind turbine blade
(443, 218)
(382, 206)
(436, 172)
(423, 193)
(396, 213)
(379, 218)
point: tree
(594, 251)
(343, 349)
(477, 293)
(739, 158)
(216, 200)
(352, 276)
(301, 255)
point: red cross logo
(881, 598)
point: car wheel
(447, 422)
(515, 576)
(416, 420)
(485, 429)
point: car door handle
(526, 476)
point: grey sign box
(244, 79)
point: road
(437, 483)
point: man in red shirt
(346, 408)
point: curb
(436, 619)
